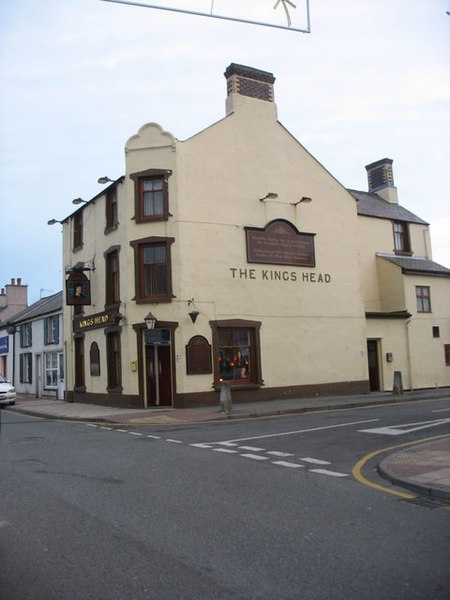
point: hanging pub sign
(78, 289)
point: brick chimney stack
(246, 83)
(14, 300)
(381, 179)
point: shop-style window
(153, 269)
(151, 195)
(51, 330)
(237, 353)
(114, 362)
(423, 299)
(78, 231)
(51, 369)
(402, 244)
(112, 277)
(111, 209)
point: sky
(79, 77)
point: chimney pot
(13, 281)
(19, 281)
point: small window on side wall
(151, 195)
(402, 244)
(111, 211)
(447, 354)
(423, 299)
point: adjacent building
(235, 257)
(31, 348)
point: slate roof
(370, 204)
(44, 306)
(414, 266)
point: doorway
(374, 365)
(158, 368)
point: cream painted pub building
(235, 256)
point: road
(264, 509)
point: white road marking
(226, 443)
(155, 437)
(315, 461)
(405, 428)
(134, 433)
(251, 448)
(283, 463)
(280, 454)
(270, 435)
(225, 450)
(174, 441)
(326, 472)
(122, 430)
(255, 456)
(442, 410)
(201, 446)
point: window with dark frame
(153, 270)
(237, 352)
(111, 210)
(423, 299)
(51, 369)
(436, 331)
(402, 244)
(78, 231)
(112, 287)
(94, 359)
(26, 337)
(114, 361)
(151, 195)
(26, 367)
(80, 384)
(447, 354)
(51, 330)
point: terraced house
(235, 257)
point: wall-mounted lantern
(150, 321)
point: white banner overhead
(292, 15)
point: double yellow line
(357, 474)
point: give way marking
(405, 428)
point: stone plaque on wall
(280, 243)
(198, 356)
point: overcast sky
(79, 77)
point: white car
(7, 392)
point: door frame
(375, 375)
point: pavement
(424, 468)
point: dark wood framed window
(237, 355)
(51, 330)
(112, 287)
(114, 360)
(78, 231)
(402, 243)
(80, 383)
(26, 337)
(423, 298)
(151, 195)
(26, 367)
(111, 211)
(447, 354)
(153, 269)
(94, 359)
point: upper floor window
(112, 277)
(153, 270)
(402, 244)
(26, 367)
(51, 330)
(151, 195)
(25, 335)
(111, 209)
(423, 298)
(78, 231)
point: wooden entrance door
(374, 365)
(159, 375)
